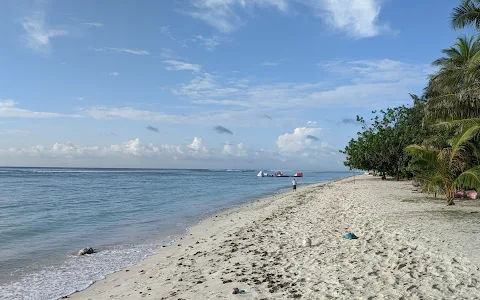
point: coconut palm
(453, 92)
(467, 14)
(447, 169)
(460, 53)
(458, 67)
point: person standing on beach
(294, 184)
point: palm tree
(467, 14)
(453, 92)
(460, 53)
(456, 166)
(456, 68)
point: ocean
(48, 214)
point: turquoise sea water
(47, 214)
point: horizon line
(140, 168)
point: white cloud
(357, 84)
(105, 113)
(357, 18)
(8, 109)
(207, 117)
(222, 102)
(381, 70)
(312, 124)
(204, 89)
(303, 142)
(175, 65)
(14, 132)
(367, 84)
(298, 140)
(114, 74)
(37, 34)
(132, 148)
(168, 53)
(203, 82)
(222, 14)
(270, 64)
(209, 43)
(135, 153)
(95, 24)
(125, 50)
(197, 146)
(235, 150)
(165, 31)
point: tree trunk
(450, 197)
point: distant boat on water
(262, 174)
(278, 174)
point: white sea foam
(76, 273)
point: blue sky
(206, 83)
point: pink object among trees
(472, 195)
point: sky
(252, 84)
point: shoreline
(265, 196)
(256, 247)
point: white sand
(409, 247)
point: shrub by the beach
(379, 147)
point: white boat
(262, 174)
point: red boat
(298, 174)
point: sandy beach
(409, 246)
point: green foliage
(380, 145)
(454, 166)
(469, 179)
(462, 145)
(445, 169)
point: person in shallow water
(294, 184)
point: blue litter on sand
(350, 236)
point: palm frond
(462, 104)
(460, 123)
(476, 56)
(431, 182)
(423, 157)
(419, 150)
(469, 179)
(465, 15)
